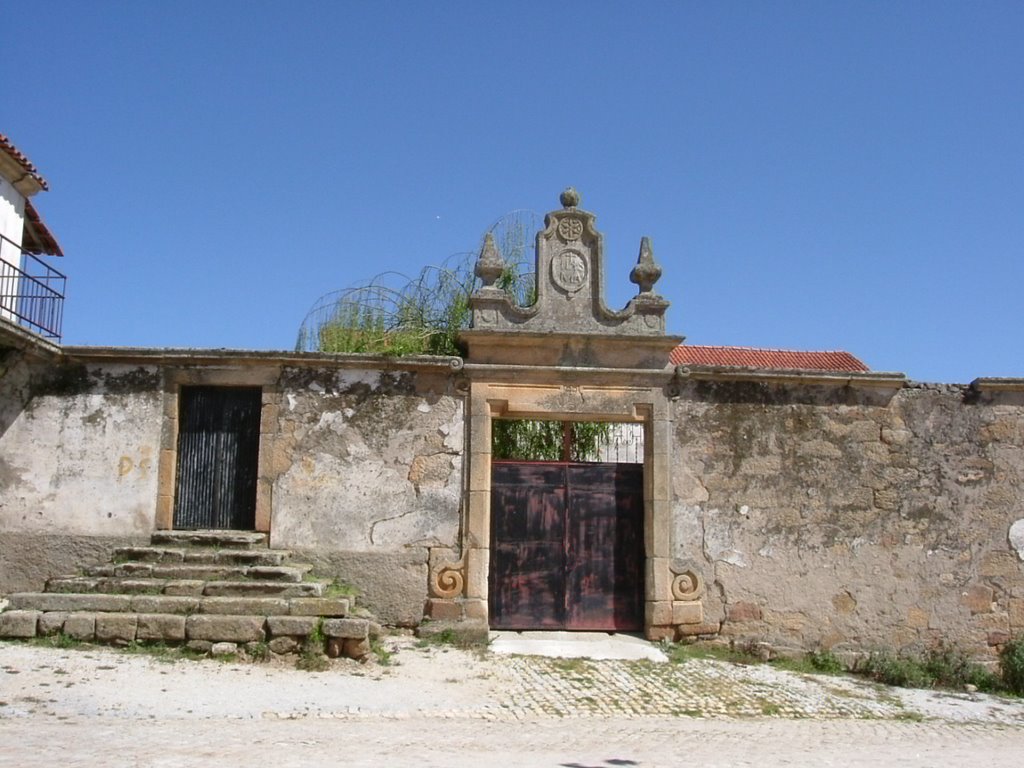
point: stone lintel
(591, 352)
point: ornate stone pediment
(569, 301)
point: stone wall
(817, 514)
(825, 516)
(367, 478)
(78, 477)
(360, 460)
(78, 449)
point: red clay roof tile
(37, 237)
(752, 357)
(15, 154)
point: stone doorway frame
(671, 592)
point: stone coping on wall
(998, 384)
(792, 376)
(14, 336)
(188, 356)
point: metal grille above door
(567, 546)
(218, 453)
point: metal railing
(31, 291)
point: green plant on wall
(546, 440)
(396, 315)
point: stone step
(113, 585)
(69, 602)
(217, 539)
(204, 571)
(203, 555)
(348, 637)
(264, 588)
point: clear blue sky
(813, 175)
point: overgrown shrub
(825, 661)
(1011, 660)
(903, 671)
(942, 667)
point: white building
(31, 292)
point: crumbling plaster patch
(83, 453)
(369, 462)
(1016, 536)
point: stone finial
(490, 265)
(646, 272)
(569, 198)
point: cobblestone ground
(445, 707)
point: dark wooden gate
(567, 546)
(218, 452)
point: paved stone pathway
(442, 706)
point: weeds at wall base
(1011, 661)
(943, 667)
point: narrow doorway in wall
(566, 528)
(218, 453)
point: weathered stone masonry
(844, 517)
(815, 512)
(360, 462)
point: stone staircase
(208, 590)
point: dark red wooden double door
(567, 546)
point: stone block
(236, 629)
(319, 606)
(164, 604)
(659, 613)
(185, 587)
(844, 602)
(692, 630)
(56, 601)
(656, 633)
(918, 618)
(19, 623)
(80, 626)
(223, 649)
(439, 609)
(160, 627)
(657, 528)
(687, 612)
(51, 623)
(284, 645)
(477, 565)
(356, 649)
(478, 522)
(1016, 612)
(743, 611)
(998, 637)
(994, 620)
(475, 609)
(977, 599)
(887, 499)
(117, 628)
(245, 606)
(658, 579)
(335, 647)
(347, 629)
(1005, 564)
(291, 625)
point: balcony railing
(31, 291)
